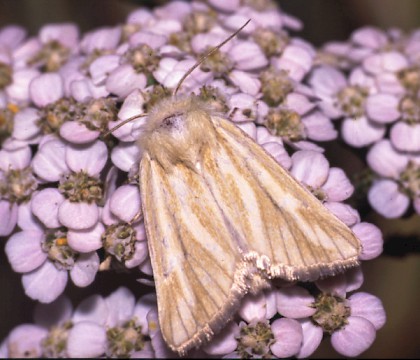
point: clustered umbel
(69, 190)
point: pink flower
(330, 185)
(24, 341)
(44, 257)
(124, 237)
(17, 182)
(79, 166)
(348, 99)
(352, 322)
(396, 186)
(296, 59)
(46, 89)
(257, 336)
(107, 325)
(106, 38)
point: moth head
(177, 130)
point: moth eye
(173, 122)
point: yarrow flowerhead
(70, 197)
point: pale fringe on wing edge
(255, 266)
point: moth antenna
(204, 57)
(123, 123)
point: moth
(222, 218)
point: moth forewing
(199, 274)
(302, 238)
(222, 218)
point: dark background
(394, 277)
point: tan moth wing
(226, 226)
(283, 220)
(199, 272)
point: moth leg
(137, 217)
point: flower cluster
(372, 82)
(281, 322)
(115, 326)
(69, 192)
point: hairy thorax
(178, 130)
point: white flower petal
(356, 337)
(344, 212)
(371, 238)
(100, 68)
(78, 216)
(15, 159)
(86, 340)
(45, 205)
(132, 105)
(143, 306)
(249, 128)
(18, 91)
(85, 241)
(294, 302)
(123, 80)
(405, 137)
(247, 56)
(288, 337)
(140, 254)
(85, 268)
(383, 108)
(67, 34)
(24, 125)
(107, 217)
(327, 81)
(310, 168)
(337, 187)
(224, 5)
(155, 41)
(26, 341)
(125, 155)
(89, 158)
(253, 308)
(385, 197)
(126, 202)
(45, 283)
(296, 60)
(105, 38)
(246, 83)
(354, 278)
(24, 251)
(121, 304)
(279, 153)
(299, 101)
(77, 133)
(312, 337)
(319, 127)
(336, 285)
(46, 89)
(361, 132)
(369, 307)
(26, 218)
(370, 37)
(224, 342)
(385, 160)
(389, 61)
(49, 162)
(12, 35)
(9, 217)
